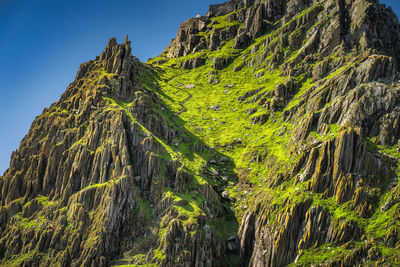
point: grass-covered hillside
(235, 106)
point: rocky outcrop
(81, 187)
(345, 167)
(269, 246)
(339, 169)
(220, 63)
(323, 28)
(221, 9)
(253, 15)
(187, 39)
(193, 63)
(371, 25)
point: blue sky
(43, 42)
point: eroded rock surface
(89, 180)
(127, 168)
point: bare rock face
(339, 169)
(187, 39)
(370, 24)
(221, 9)
(193, 63)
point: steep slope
(266, 134)
(304, 97)
(98, 178)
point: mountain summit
(266, 134)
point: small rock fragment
(190, 86)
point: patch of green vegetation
(99, 185)
(390, 254)
(324, 254)
(145, 208)
(18, 260)
(81, 142)
(383, 222)
(371, 146)
(226, 226)
(220, 130)
(333, 131)
(189, 212)
(307, 85)
(159, 255)
(45, 201)
(223, 22)
(103, 72)
(37, 223)
(392, 151)
(59, 112)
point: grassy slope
(220, 129)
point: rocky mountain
(266, 134)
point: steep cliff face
(316, 85)
(97, 177)
(266, 134)
(356, 24)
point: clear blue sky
(43, 42)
